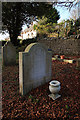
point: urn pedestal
(54, 87)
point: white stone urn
(54, 87)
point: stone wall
(62, 46)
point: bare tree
(65, 3)
(74, 14)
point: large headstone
(8, 54)
(34, 67)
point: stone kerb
(8, 54)
(34, 67)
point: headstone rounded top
(32, 45)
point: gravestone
(8, 54)
(34, 67)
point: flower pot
(62, 56)
(54, 87)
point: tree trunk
(13, 39)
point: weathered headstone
(34, 67)
(8, 54)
